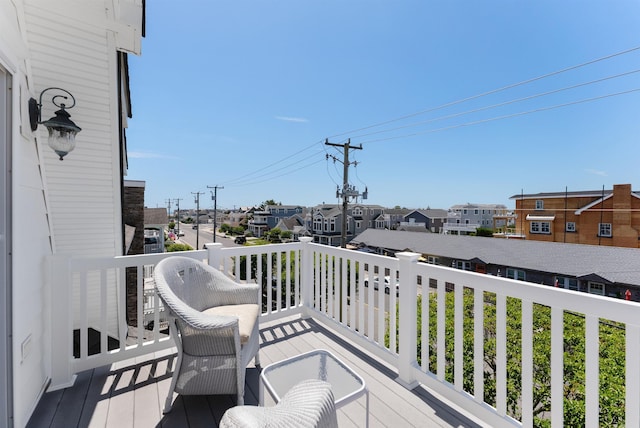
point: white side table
(346, 384)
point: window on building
(463, 265)
(596, 288)
(466, 221)
(520, 275)
(543, 227)
(570, 226)
(568, 283)
(432, 260)
(464, 212)
(539, 204)
(476, 212)
(333, 225)
(358, 224)
(605, 229)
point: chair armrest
(230, 292)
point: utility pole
(347, 191)
(178, 214)
(169, 208)
(214, 196)
(197, 201)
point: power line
(231, 182)
(494, 91)
(508, 116)
(281, 175)
(530, 97)
(252, 180)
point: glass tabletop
(319, 364)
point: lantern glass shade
(62, 141)
(62, 133)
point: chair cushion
(247, 317)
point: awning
(541, 217)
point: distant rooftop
(615, 264)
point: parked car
(180, 233)
(194, 226)
(240, 239)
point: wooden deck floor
(132, 393)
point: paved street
(205, 236)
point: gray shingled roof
(615, 264)
(155, 216)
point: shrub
(178, 247)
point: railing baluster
(441, 332)
(278, 281)
(527, 363)
(103, 312)
(592, 371)
(83, 321)
(478, 345)
(426, 339)
(288, 274)
(557, 367)
(458, 358)
(632, 381)
(501, 354)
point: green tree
(269, 202)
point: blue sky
(243, 94)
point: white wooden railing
(327, 283)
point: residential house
(54, 207)
(327, 221)
(432, 220)
(236, 218)
(294, 224)
(465, 219)
(595, 217)
(267, 219)
(606, 271)
(391, 218)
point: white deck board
(132, 393)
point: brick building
(597, 217)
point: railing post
(306, 275)
(408, 319)
(214, 254)
(62, 375)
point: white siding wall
(84, 190)
(69, 207)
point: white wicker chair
(309, 404)
(214, 322)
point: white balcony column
(214, 254)
(62, 375)
(306, 275)
(407, 362)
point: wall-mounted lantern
(62, 131)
